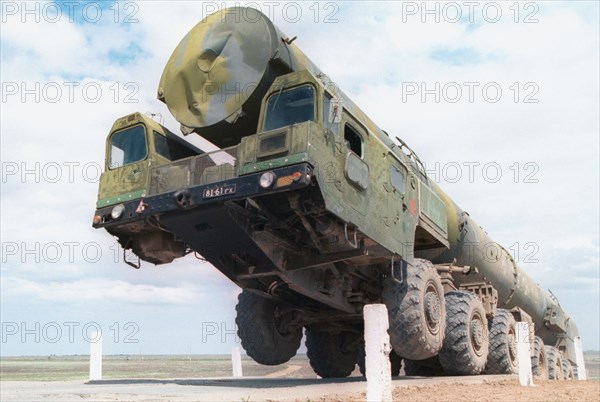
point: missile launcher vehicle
(315, 211)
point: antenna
(154, 117)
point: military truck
(315, 211)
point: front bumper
(287, 178)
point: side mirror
(335, 111)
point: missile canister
(215, 79)
(471, 246)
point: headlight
(267, 179)
(117, 211)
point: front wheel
(332, 354)
(265, 330)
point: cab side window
(398, 178)
(353, 140)
(171, 149)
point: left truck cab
(137, 144)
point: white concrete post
(96, 356)
(377, 349)
(524, 354)
(236, 361)
(581, 373)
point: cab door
(402, 213)
(355, 169)
(127, 166)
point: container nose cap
(217, 66)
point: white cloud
(98, 291)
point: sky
(500, 99)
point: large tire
(502, 356)
(465, 348)
(264, 336)
(555, 371)
(539, 362)
(423, 368)
(567, 370)
(332, 354)
(416, 311)
(395, 363)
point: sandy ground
(206, 378)
(490, 390)
(478, 388)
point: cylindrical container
(214, 81)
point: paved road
(222, 389)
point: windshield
(127, 146)
(290, 106)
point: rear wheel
(465, 348)
(332, 354)
(555, 370)
(539, 363)
(502, 356)
(265, 329)
(416, 311)
(567, 370)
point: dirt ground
(208, 378)
(492, 391)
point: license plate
(219, 191)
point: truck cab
(308, 135)
(137, 143)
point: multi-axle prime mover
(314, 211)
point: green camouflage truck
(315, 211)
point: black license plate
(219, 191)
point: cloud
(98, 290)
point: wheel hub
(477, 336)
(432, 310)
(512, 347)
